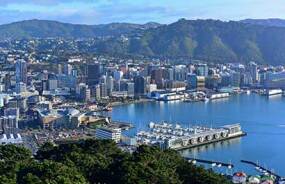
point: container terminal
(173, 136)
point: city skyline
(142, 91)
(142, 11)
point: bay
(262, 118)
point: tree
(11, 158)
(49, 172)
(99, 161)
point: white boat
(218, 96)
(272, 92)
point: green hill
(208, 40)
(46, 29)
(214, 41)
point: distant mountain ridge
(265, 22)
(208, 40)
(46, 28)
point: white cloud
(139, 11)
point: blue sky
(137, 11)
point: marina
(258, 116)
(170, 136)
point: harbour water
(261, 117)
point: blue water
(261, 117)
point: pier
(221, 139)
(170, 136)
(261, 168)
(217, 163)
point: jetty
(211, 162)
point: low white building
(107, 133)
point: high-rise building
(44, 85)
(110, 84)
(118, 75)
(170, 74)
(253, 71)
(20, 87)
(7, 82)
(180, 73)
(18, 102)
(175, 85)
(97, 92)
(93, 74)
(103, 90)
(2, 87)
(12, 112)
(87, 95)
(60, 69)
(74, 73)
(235, 79)
(52, 84)
(192, 81)
(21, 71)
(1, 102)
(157, 77)
(202, 70)
(213, 82)
(67, 69)
(262, 75)
(139, 85)
(84, 92)
(131, 89)
(246, 79)
(103, 79)
(275, 80)
(225, 80)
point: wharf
(169, 136)
(210, 142)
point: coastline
(144, 100)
